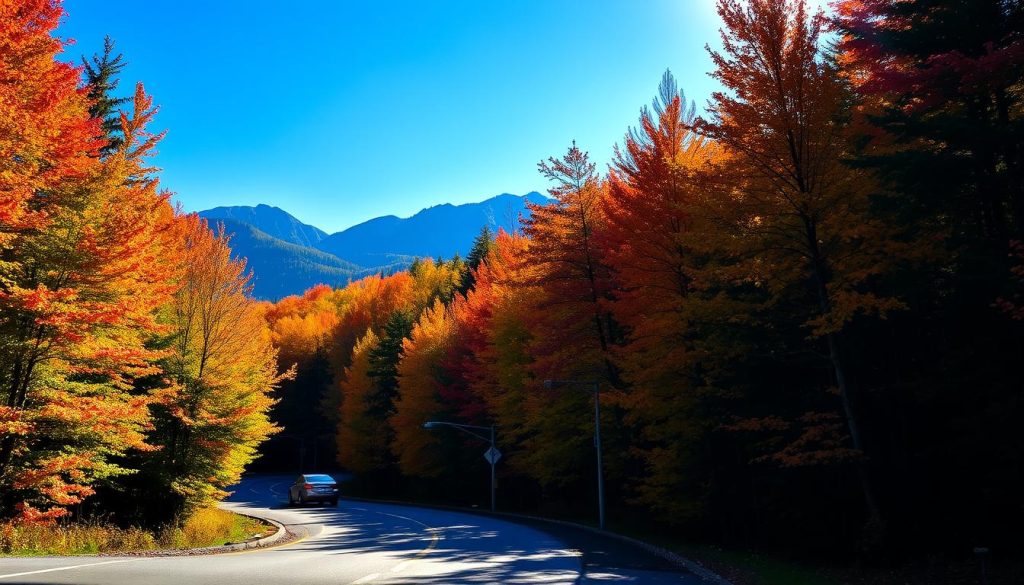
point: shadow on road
(452, 547)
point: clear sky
(340, 111)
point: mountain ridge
(442, 230)
(288, 256)
(282, 268)
(270, 220)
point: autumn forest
(802, 302)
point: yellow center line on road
(435, 538)
(434, 532)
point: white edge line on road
(366, 579)
(65, 568)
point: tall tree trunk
(15, 399)
(839, 369)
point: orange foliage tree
(87, 254)
(495, 328)
(302, 326)
(654, 241)
(570, 325)
(573, 328)
(801, 210)
(47, 138)
(388, 307)
(365, 306)
(435, 280)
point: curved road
(359, 542)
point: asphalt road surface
(359, 542)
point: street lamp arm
(553, 384)
(468, 429)
(492, 454)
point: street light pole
(552, 384)
(492, 455)
(597, 445)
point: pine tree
(101, 79)
(384, 359)
(483, 244)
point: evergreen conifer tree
(101, 78)
(384, 360)
(482, 246)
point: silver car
(313, 487)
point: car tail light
(307, 486)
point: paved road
(360, 543)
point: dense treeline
(802, 307)
(134, 366)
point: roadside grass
(71, 539)
(207, 527)
(212, 527)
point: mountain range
(288, 256)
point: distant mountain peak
(288, 256)
(270, 220)
(440, 230)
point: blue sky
(341, 111)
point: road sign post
(492, 455)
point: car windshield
(320, 478)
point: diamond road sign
(492, 455)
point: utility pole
(551, 385)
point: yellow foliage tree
(359, 443)
(223, 367)
(419, 385)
